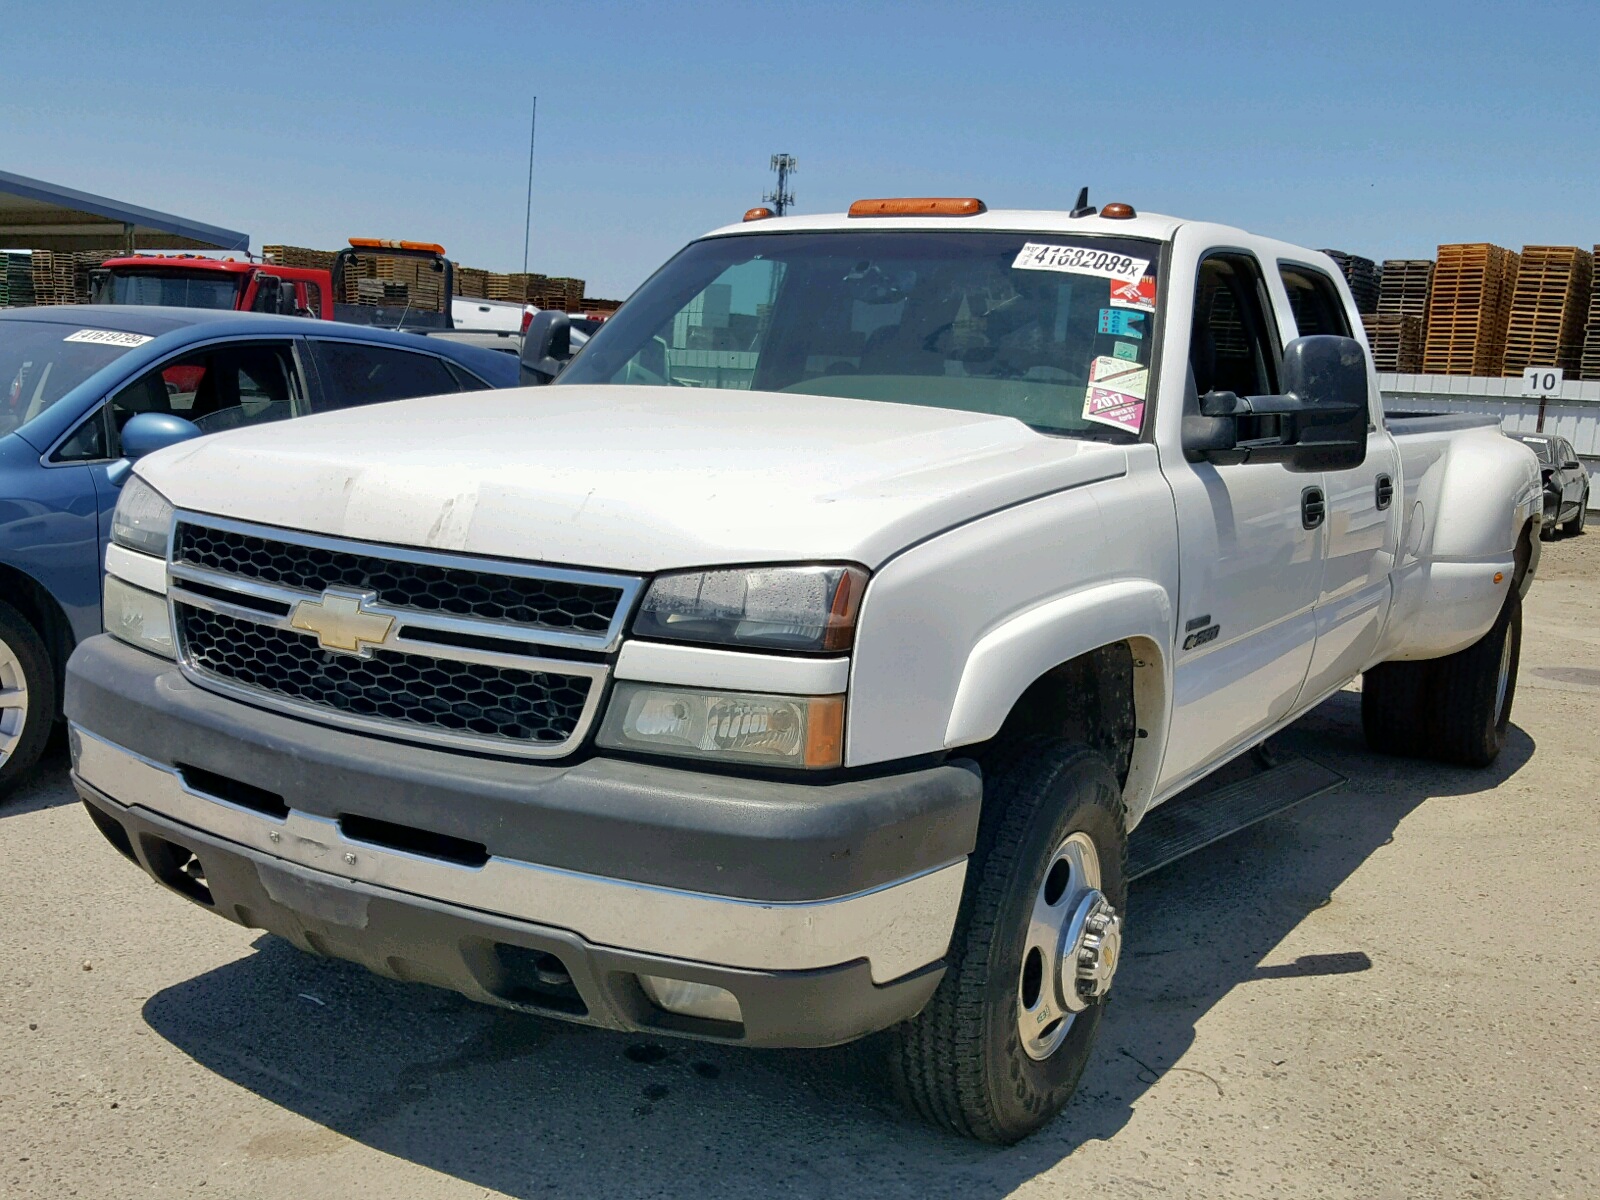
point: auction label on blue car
(1079, 260)
(108, 337)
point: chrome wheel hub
(1074, 942)
(13, 702)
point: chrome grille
(424, 586)
(537, 708)
(490, 666)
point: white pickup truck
(798, 665)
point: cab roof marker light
(389, 244)
(920, 206)
(757, 214)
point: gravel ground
(1391, 991)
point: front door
(1249, 567)
(1363, 516)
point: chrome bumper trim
(898, 928)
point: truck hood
(630, 478)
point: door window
(1315, 302)
(355, 374)
(1234, 345)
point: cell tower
(782, 199)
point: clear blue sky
(1380, 128)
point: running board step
(1194, 820)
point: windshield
(41, 362)
(210, 290)
(1052, 329)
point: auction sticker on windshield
(1079, 260)
(1134, 293)
(1118, 375)
(108, 337)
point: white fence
(1574, 414)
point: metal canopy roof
(45, 216)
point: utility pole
(527, 219)
(782, 199)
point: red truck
(203, 281)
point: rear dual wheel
(1455, 709)
(1001, 1046)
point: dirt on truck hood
(629, 478)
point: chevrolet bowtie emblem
(341, 622)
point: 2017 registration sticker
(1079, 260)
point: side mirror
(145, 434)
(546, 347)
(1318, 423)
(268, 291)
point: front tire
(27, 696)
(1001, 1046)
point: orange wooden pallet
(1469, 309)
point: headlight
(138, 617)
(779, 608)
(142, 520)
(746, 727)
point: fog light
(687, 999)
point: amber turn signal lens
(919, 206)
(1118, 211)
(757, 214)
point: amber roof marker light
(1118, 212)
(757, 214)
(387, 244)
(920, 206)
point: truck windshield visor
(40, 362)
(207, 290)
(1054, 330)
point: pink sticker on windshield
(1117, 409)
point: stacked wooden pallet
(1469, 306)
(1396, 342)
(1589, 365)
(299, 256)
(1548, 309)
(1403, 289)
(16, 278)
(1362, 274)
(472, 281)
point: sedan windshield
(212, 289)
(40, 362)
(1052, 329)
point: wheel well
(39, 608)
(1089, 699)
(1522, 556)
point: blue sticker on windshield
(1125, 350)
(1122, 322)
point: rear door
(1362, 522)
(1249, 568)
(351, 374)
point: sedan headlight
(138, 617)
(142, 520)
(744, 727)
(807, 608)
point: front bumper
(408, 861)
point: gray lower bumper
(496, 960)
(767, 884)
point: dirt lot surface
(1391, 991)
